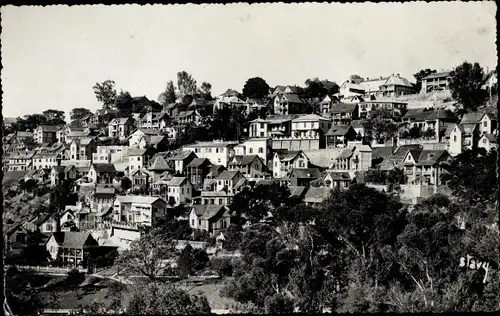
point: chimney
(398, 75)
(367, 78)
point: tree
(168, 96)
(278, 304)
(30, 185)
(147, 254)
(472, 176)
(465, 85)
(429, 133)
(314, 89)
(415, 132)
(54, 117)
(20, 298)
(125, 183)
(124, 103)
(164, 299)
(192, 260)
(356, 79)
(79, 113)
(186, 84)
(255, 88)
(380, 125)
(105, 93)
(417, 87)
(206, 89)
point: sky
(53, 56)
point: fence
(49, 269)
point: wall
(127, 234)
(296, 144)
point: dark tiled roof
(227, 175)
(305, 173)
(104, 167)
(339, 130)
(343, 107)
(74, 240)
(243, 160)
(196, 162)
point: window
(261, 134)
(218, 160)
(216, 150)
(261, 150)
(484, 141)
(454, 138)
(192, 222)
(305, 124)
(182, 190)
(485, 123)
(199, 222)
(250, 150)
(220, 201)
(275, 163)
(187, 190)
(261, 125)
(138, 158)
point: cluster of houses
(309, 153)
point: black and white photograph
(250, 158)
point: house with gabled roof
(310, 126)
(356, 157)
(350, 89)
(39, 175)
(229, 181)
(138, 209)
(180, 191)
(344, 113)
(197, 170)
(59, 173)
(141, 178)
(120, 127)
(488, 142)
(72, 249)
(216, 151)
(303, 176)
(250, 166)
(83, 148)
(336, 179)
(425, 167)
(158, 167)
(182, 159)
(488, 123)
(138, 158)
(141, 137)
(187, 117)
(20, 161)
(461, 137)
(438, 81)
(284, 161)
(326, 105)
(102, 173)
(395, 86)
(288, 103)
(46, 134)
(210, 218)
(316, 195)
(339, 136)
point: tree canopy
(255, 88)
(79, 113)
(105, 93)
(465, 85)
(168, 96)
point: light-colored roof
(491, 138)
(137, 151)
(309, 117)
(140, 199)
(397, 81)
(212, 144)
(317, 194)
(472, 117)
(373, 85)
(119, 120)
